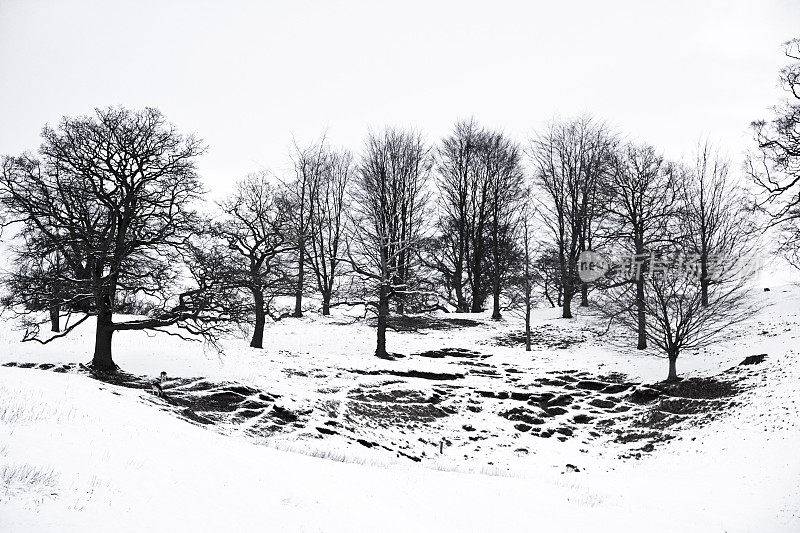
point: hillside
(465, 432)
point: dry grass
(16, 409)
(26, 478)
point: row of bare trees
(480, 184)
(678, 236)
(107, 226)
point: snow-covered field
(467, 432)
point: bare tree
(501, 163)
(478, 223)
(309, 166)
(525, 227)
(676, 319)
(645, 201)
(328, 223)
(479, 181)
(256, 229)
(596, 193)
(389, 198)
(775, 166)
(111, 195)
(717, 222)
(570, 161)
(457, 173)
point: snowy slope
(77, 454)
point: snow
(78, 454)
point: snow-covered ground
(84, 455)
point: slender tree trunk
(383, 315)
(477, 290)
(527, 310)
(584, 295)
(496, 260)
(673, 373)
(261, 318)
(102, 360)
(641, 325)
(704, 283)
(528, 325)
(55, 318)
(496, 296)
(528, 289)
(400, 293)
(566, 284)
(547, 294)
(461, 302)
(298, 294)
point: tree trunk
(496, 260)
(461, 302)
(673, 374)
(641, 326)
(584, 295)
(528, 320)
(565, 288)
(400, 291)
(477, 290)
(261, 318)
(528, 290)
(55, 318)
(496, 296)
(102, 360)
(567, 304)
(326, 303)
(383, 315)
(547, 295)
(704, 283)
(298, 294)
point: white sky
(247, 76)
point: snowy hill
(467, 432)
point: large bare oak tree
(112, 195)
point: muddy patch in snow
(421, 374)
(202, 401)
(453, 352)
(421, 413)
(419, 323)
(544, 336)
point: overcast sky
(248, 76)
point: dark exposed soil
(567, 404)
(420, 323)
(442, 376)
(544, 336)
(198, 400)
(453, 352)
(754, 359)
(704, 388)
